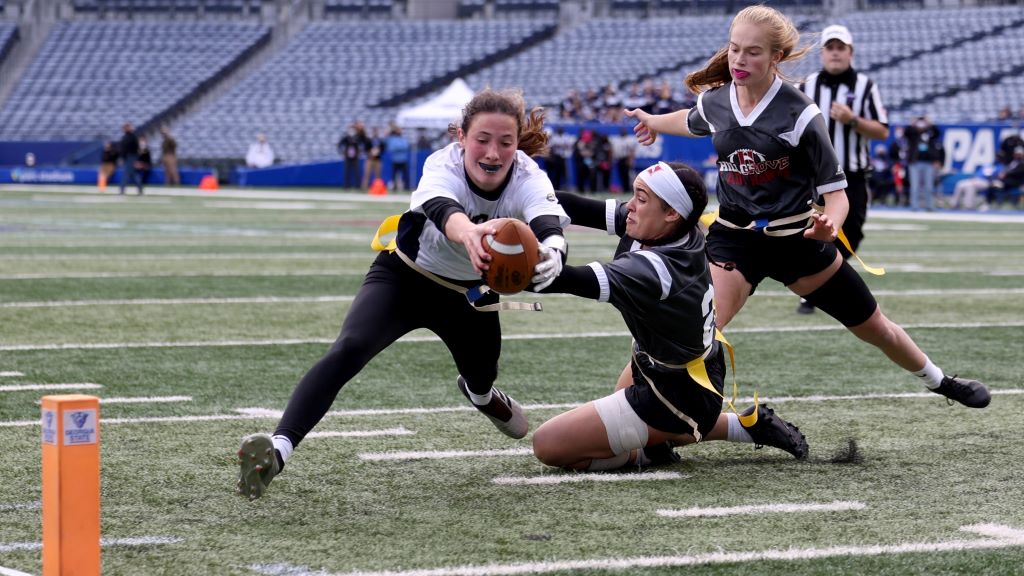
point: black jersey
(664, 293)
(773, 161)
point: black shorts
(677, 387)
(757, 256)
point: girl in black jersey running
(774, 158)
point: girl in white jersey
(432, 279)
(774, 158)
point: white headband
(662, 180)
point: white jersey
(529, 194)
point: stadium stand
(333, 73)
(346, 60)
(92, 76)
(8, 36)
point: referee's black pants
(858, 196)
(394, 300)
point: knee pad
(845, 297)
(626, 431)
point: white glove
(550, 264)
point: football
(513, 250)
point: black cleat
(805, 307)
(504, 412)
(970, 393)
(770, 430)
(661, 454)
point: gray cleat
(257, 465)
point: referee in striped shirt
(855, 114)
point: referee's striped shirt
(861, 94)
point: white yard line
(11, 374)
(212, 274)
(145, 400)
(21, 506)
(178, 301)
(24, 387)
(441, 454)
(998, 537)
(265, 413)
(569, 478)
(349, 298)
(399, 431)
(12, 572)
(139, 541)
(189, 257)
(431, 338)
(837, 506)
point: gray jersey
(527, 195)
(664, 293)
(772, 161)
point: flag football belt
(472, 293)
(768, 228)
(777, 227)
(697, 371)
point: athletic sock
(641, 458)
(737, 433)
(283, 449)
(479, 399)
(931, 375)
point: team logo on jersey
(750, 167)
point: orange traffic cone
(208, 183)
(378, 188)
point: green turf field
(204, 310)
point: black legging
(394, 300)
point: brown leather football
(513, 250)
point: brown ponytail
(532, 139)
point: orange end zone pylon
(71, 485)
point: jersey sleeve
(633, 281)
(874, 109)
(828, 172)
(538, 199)
(696, 120)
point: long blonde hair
(532, 139)
(782, 35)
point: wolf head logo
(79, 418)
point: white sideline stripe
(257, 413)
(584, 477)
(21, 387)
(399, 431)
(441, 454)
(11, 374)
(409, 339)
(139, 541)
(21, 506)
(332, 299)
(836, 506)
(1004, 537)
(12, 572)
(234, 256)
(177, 301)
(263, 194)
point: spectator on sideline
(624, 152)
(561, 146)
(852, 106)
(925, 156)
(659, 280)
(431, 278)
(129, 150)
(768, 175)
(108, 163)
(350, 148)
(967, 190)
(143, 163)
(883, 178)
(260, 154)
(169, 157)
(398, 150)
(373, 150)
